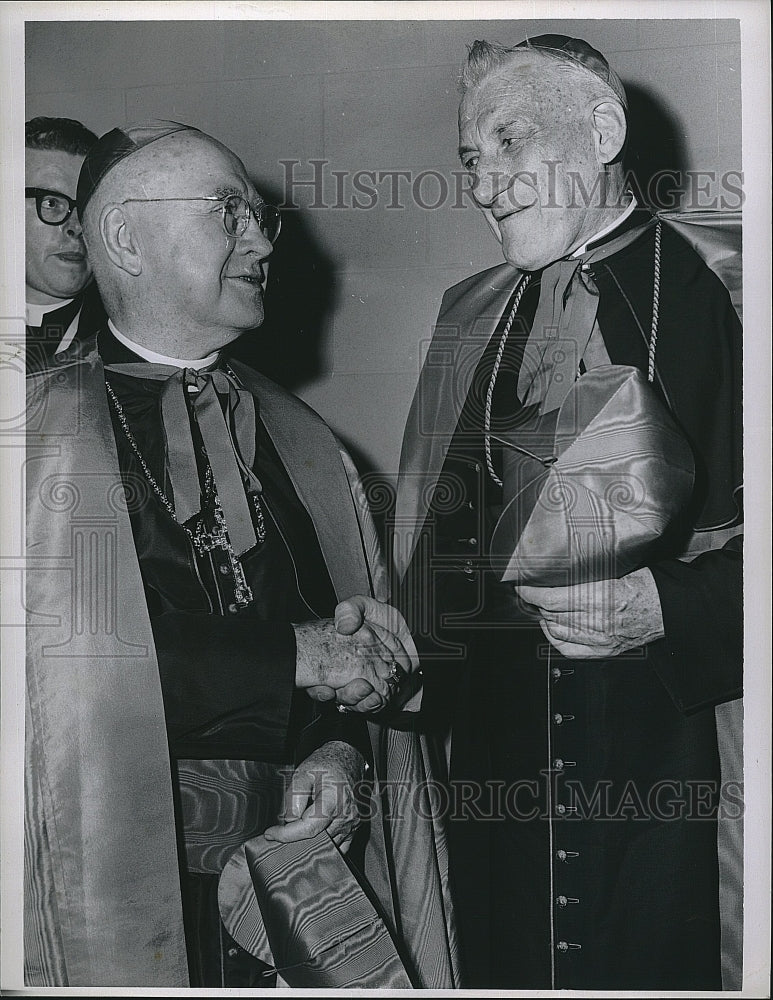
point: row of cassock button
(562, 855)
(468, 567)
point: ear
(609, 130)
(120, 241)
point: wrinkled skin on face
(537, 140)
(185, 282)
(56, 263)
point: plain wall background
(354, 292)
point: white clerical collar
(37, 310)
(161, 359)
(608, 229)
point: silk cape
(102, 889)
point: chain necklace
(202, 540)
(506, 333)
(495, 371)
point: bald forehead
(178, 158)
(181, 164)
(537, 85)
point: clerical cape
(102, 884)
(561, 879)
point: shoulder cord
(506, 332)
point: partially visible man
(63, 307)
(589, 721)
(215, 524)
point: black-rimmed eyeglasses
(236, 214)
(52, 207)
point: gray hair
(568, 56)
(482, 59)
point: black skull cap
(115, 146)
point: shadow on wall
(300, 297)
(301, 294)
(655, 154)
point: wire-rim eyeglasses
(236, 214)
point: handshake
(364, 659)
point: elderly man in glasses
(192, 661)
(63, 307)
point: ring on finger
(396, 674)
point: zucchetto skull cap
(115, 146)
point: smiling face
(197, 288)
(56, 262)
(526, 134)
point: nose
(72, 226)
(500, 189)
(254, 240)
(489, 183)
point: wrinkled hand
(599, 620)
(389, 625)
(353, 669)
(322, 796)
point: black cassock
(584, 794)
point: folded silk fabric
(592, 486)
(310, 916)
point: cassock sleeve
(226, 680)
(700, 659)
(428, 599)
(229, 691)
(699, 362)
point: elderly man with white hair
(588, 715)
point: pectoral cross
(206, 541)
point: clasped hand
(358, 660)
(355, 660)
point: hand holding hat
(322, 795)
(609, 477)
(594, 488)
(599, 620)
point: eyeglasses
(52, 207)
(236, 213)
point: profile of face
(57, 266)
(537, 151)
(194, 276)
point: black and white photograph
(385, 498)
